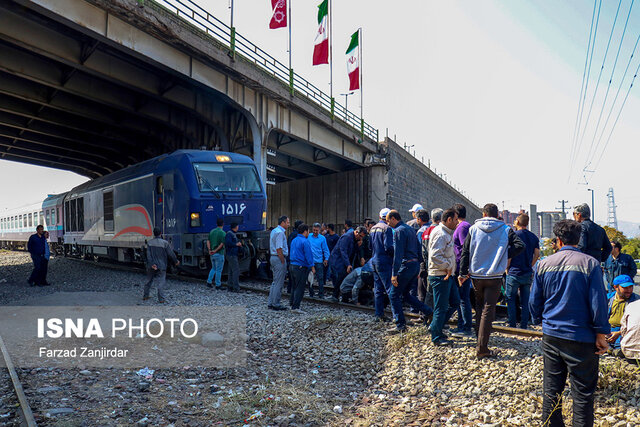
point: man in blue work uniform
(618, 264)
(232, 245)
(382, 246)
(320, 252)
(404, 272)
(568, 297)
(341, 256)
(35, 246)
(301, 262)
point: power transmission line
(606, 52)
(585, 82)
(617, 118)
(604, 128)
(606, 95)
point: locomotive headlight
(264, 217)
(223, 158)
(195, 219)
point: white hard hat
(416, 208)
(384, 212)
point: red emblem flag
(279, 17)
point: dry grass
(282, 399)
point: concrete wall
(412, 182)
(354, 195)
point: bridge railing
(240, 46)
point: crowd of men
(432, 262)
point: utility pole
(593, 212)
(564, 211)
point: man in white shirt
(630, 330)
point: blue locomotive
(183, 193)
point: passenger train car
(18, 224)
(183, 193)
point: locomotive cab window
(107, 206)
(226, 177)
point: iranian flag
(353, 62)
(279, 16)
(321, 48)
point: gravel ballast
(328, 366)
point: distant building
(547, 221)
(534, 222)
(510, 217)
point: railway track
(497, 328)
(24, 414)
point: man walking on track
(159, 253)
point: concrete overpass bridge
(92, 86)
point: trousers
(381, 286)
(441, 290)
(279, 270)
(217, 264)
(400, 294)
(233, 272)
(579, 361)
(159, 277)
(298, 276)
(487, 293)
(514, 285)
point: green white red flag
(321, 44)
(279, 15)
(353, 62)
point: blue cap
(623, 280)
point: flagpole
(331, 57)
(290, 65)
(361, 104)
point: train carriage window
(67, 216)
(107, 206)
(23, 223)
(47, 217)
(41, 218)
(53, 216)
(159, 185)
(80, 208)
(30, 220)
(74, 217)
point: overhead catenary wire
(613, 104)
(585, 78)
(604, 102)
(595, 92)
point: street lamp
(593, 212)
(346, 101)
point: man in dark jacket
(593, 239)
(382, 261)
(618, 264)
(405, 269)
(36, 247)
(341, 256)
(159, 253)
(232, 245)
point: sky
(486, 91)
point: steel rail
(25, 409)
